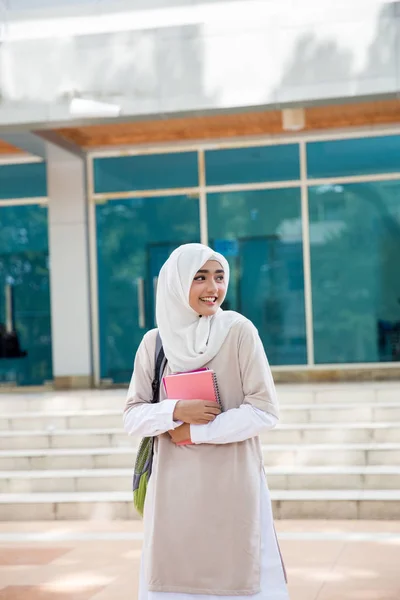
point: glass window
(25, 345)
(146, 172)
(260, 233)
(361, 156)
(24, 180)
(252, 165)
(135, 237)
(355, 250)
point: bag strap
(159, 366)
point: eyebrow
(206, 271)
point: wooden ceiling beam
(9, 149)
(223, 126)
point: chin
(208, 311)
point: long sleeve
(141, 417)
(235, 425)
(147, 420)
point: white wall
(70, 312)
(161, 56)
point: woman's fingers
(197, 412)
(212, 406)
(204, 420)
(210, 417)
(212, 410)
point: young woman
(208, 525)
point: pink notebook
(194, 385)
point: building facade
(297, 184)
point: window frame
(201, 191)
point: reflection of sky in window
(290, 230)
(120, 209)
(323, 189)
(320, 233)
(326, 215)
(22, 235)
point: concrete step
(112, 419)
(335, 454)
(274, 455)
(63, 401)
(344, 433)
(312, 433)
(323, 393)
(281, 478)
(287, 504)
(340, 413)
(61, 420)
(68, 438)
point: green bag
(144, 457)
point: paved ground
(326, 560)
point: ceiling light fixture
(81, 107)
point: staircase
(335, 455)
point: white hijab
(189, 341)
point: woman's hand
(196, 412)
(180, 434)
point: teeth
(211, 299)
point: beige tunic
(202, 512)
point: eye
(220, 278)
(199, 278)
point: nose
(212, 287)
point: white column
(69, 269)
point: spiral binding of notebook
(216, 389)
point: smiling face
(208, 289)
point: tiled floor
(326, 560)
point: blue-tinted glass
(24, 267)
(260, 233)
(252, 165)
(361, 156)
(146, 172)
(355, 250)
(24, 180)
(135, 237)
